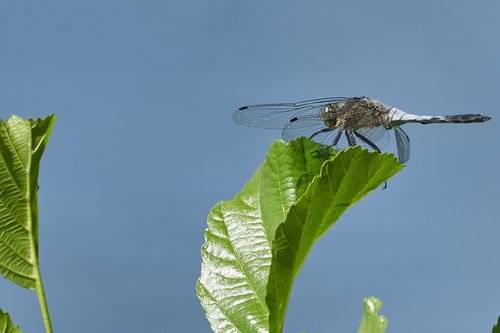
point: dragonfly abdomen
(398, 117)
(459, 118)
(452, 119)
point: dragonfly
(340, 122)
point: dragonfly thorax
(354, 113)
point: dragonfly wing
(403, 144)
(279, 115)
(311, 126)
(378, 135)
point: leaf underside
(22, 142)
(256, 243)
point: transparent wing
(279, 115)
(403, 144)
(311, 126)
(378, 135)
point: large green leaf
(237, 250)
(371, 321)
(236, 287)
(343, 180)
(6, 324)
(22, 142)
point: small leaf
(496, 328)
(6, 324)
(371, 321)
(22, 142)
(343, 181)
(237, 250)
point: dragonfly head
(329, 115)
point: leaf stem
(43, 301)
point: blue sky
(145, 144)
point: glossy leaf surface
(296, 194)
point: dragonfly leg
(324, 130)
(367, 141)
(328, 129)
(350, 138)
(336, 138)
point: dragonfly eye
(329, 116)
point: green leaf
(371, 321)
(21, 146)
(236, 288)
(237, 250)
(6, 324)
(343, 180)
(496, 328)
(22, 142)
